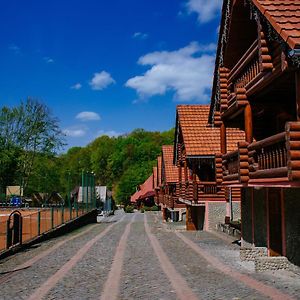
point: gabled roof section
(146, 190)
(171, 171)
(284, 17)
(199, 138)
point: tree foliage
(121, 163)
(30, 135)
(26, 131)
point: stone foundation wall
(271, 263)
(226, 228)
(251, 254)
(216, 212)
(236, 210)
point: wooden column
(223, 138)
(297, 80)
(248, 123)
(185, 171)
(283, 226)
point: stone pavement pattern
(142, 275)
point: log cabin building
(257, 88)
(169, 181)
(144, 196)
(197, 155)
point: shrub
(129, 209)
(154, 208)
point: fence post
(87, 191)
(77, 207)
(63, 215)
(39, 222)
(52, 217)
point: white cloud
(101, 80)
(110, 133)
(75, 131)
(48, 60)
(207, 10)
(140, 35)
(88, 116)
(76, 86)
(187, 71)
(14, 48)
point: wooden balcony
(236, 84)
(274, 159)
(197, 192)
(236, 165)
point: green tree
(26, 131)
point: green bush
(147, 208)
(154, 208)
(142, 210)
(129, 209)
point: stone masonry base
(251, 254)
(269, 263)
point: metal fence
(35, 222)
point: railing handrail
(207, 183)
(243, 61)
(269, 141)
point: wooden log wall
(265, 59)
(224, 88)
(217, 119)
(243, 162)
(219, 170)
(293, 150)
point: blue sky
(108, 67)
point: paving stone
(142, 276)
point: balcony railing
(245, 74)
(274, 158)
(235, 164)
(246, 69)
(268, 157)
(196, 192)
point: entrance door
(195, 217)
(275, 224)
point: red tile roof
(200, 139)
(146, 190)
(171, 171)
(284, 16)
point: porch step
(271, 263)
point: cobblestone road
(136, 256)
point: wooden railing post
(223, 138)
(223, 88)
(243, 162)
(248, 123)
(293, 150)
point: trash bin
(175, 216)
